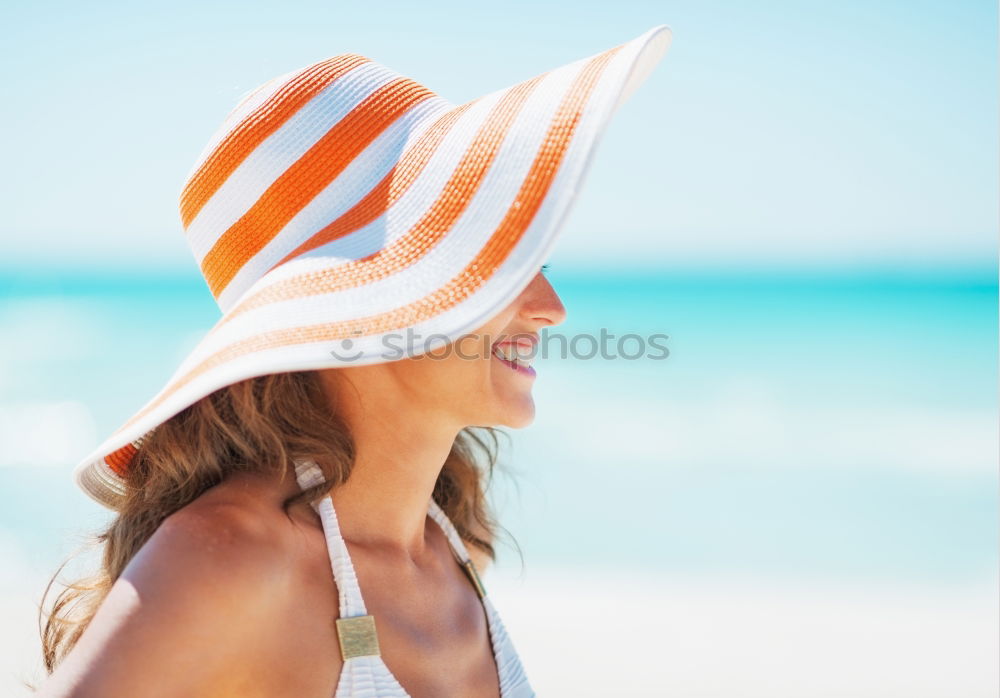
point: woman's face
(475, 381)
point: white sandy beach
(589, 636)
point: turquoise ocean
(834, 424)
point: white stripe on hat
(279, 151)
(253, 100)
(355, 182)
(516, 152)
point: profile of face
(482, 379)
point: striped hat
(343, 204)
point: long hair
(259, 425)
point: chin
(512, 415)
(519, 423)
(519, 417)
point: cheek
(471, 366)
(458, 374)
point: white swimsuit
(364, 674)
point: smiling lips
(516, 354)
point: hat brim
(442, 262)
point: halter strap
(457, 546)
(351, 602)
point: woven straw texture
(343, 212)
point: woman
(376, 252)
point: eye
(545, 268)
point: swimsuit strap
(457, 546)
(351, 602)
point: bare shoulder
(199, 611)
(224, 535)
(214, 554)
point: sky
(788, 132)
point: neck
(399, 454)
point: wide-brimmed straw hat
(343, 204)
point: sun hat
(343, 204)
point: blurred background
(801, 500)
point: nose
(540, 303)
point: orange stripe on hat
(257, 127)
(307, 177)
(529, 199)
(389, 190)
(432, 227)
(119, 460)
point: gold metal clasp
(470, 571)
(357, 637)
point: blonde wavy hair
(259, 425)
